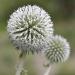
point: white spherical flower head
(28, 27)
(58, 50)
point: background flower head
(58, 49)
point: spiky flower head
(28, 27)
(58, 50)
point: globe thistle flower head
(58, 50)
(28, 27)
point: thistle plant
(58, 51)
(28, 28)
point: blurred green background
(63, 16)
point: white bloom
(58, 50)
(28, 27)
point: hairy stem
(48, 71)
(19, 67)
